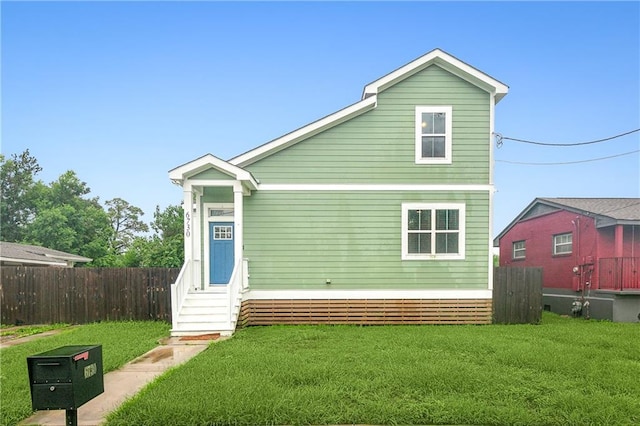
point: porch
(619, 274)
(206, 296)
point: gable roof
(605, 211)
(369, 98)
(180, 173)
(28, 255)
(619, 209)
(446, 61)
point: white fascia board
(32, 262)
(446, 61)
(304, 132)
(366, 294)
(371, 187)
(68, 258)
(179, 174)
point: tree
(163, 249)
(16, 196)
(125, 224)
(168, 223)
(66, 221)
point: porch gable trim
(192, 168)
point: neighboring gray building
(14, 254)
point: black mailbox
(66, 377)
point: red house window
(519, 250)
(562, 244)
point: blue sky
(122, 92)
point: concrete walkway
(122, 384)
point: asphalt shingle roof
(615, 208)
(27, 253)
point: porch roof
(209, 161)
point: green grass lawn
(564, 371)
(28, 330)
(121, 342)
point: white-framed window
(433, 231)
(433, 134)
(519, 250)
(563, 243)
(222, 232)
(221, 211)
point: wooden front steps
(204, 313)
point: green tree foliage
(63, 216)
(16, 197)
(163, 249)
(66, 220)
(125, 223)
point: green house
(379, 213)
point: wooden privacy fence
(517, 295)
(42, 295)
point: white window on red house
(563, 243)
(519, 250)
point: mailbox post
(65, 378)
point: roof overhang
(208, 161)
(601, 220)
(10, 261)
(446, 61)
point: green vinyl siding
(298, 240)
(379, 145)
(212, 174)
(218, 194)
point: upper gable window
(433, 134)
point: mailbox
(66, 377)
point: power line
(500, 138)
(568, 162)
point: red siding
(589, 245)
(538, 235)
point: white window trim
(461, 207)
(556, 244)
(519, 250)
(448, 110)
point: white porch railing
(179, 291)
(238, 283)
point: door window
(222, 232)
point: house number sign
(187, 231)
(90, 370)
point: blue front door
(220, 252)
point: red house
(589, 249)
